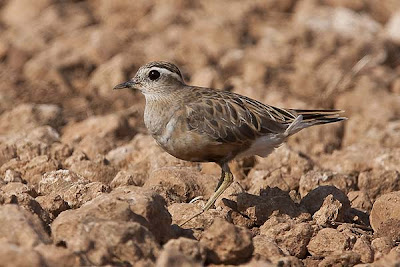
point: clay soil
(83, 184)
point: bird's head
(155, 77)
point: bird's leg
(221, 180)
(224, 182)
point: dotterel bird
(207, 125)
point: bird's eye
(154, 75)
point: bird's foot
(226, 182)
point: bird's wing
(231, 118)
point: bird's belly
(263, 146)
(186, 146)
(183, 149)
(191, 146)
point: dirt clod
(385, 216)
(328, 241)
(227, 243)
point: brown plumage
(203, 124)
(237, 120)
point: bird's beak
(128, 84)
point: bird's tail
(320, 116)
(309, 117)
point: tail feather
(295, 126)
(316, 116)
(317, 111)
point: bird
(201, 124)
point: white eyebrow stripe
(168, 72)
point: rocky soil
(83, 184)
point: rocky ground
(82, 183)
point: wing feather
(230, 118)
(235, 119)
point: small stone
(385, 215)
(331, 211)
(390, 259)
(78, 194)
(360, 200)
(58, 181)
(175, 258)
(346, 258)
(192, 249)
(313, 179)
(124, 204)
(289, 261)
(19, 188)
(282, 169)
(94, 145)
(28, 232)
(53, 204)
(328, 241)
(59, 256)
(381, 247)
(177, 184)
(311, 261)
(28, 116)
(38, 166)
(227, 243)
(60, 151)
(7, 152)
(124, 178)
(290, 236)
(260, 208)
(12, 176)
(94, 171)
(107, 241)
(112, 126)
(266, 248)
(14, 255)
(181, 212)
(314, 200)
(378, 182)
(25, 201)
(364, 249)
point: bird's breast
(156, 117)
